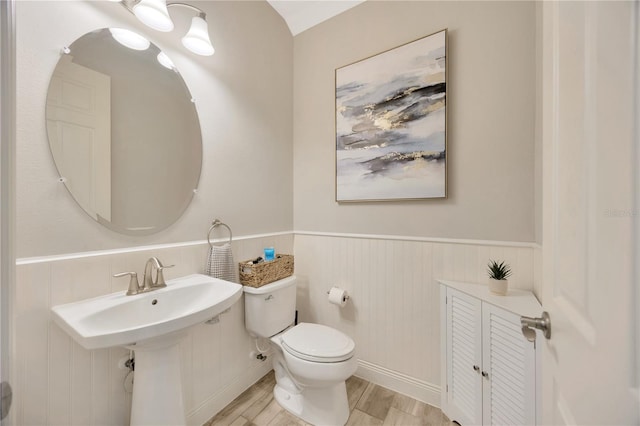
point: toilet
(311, 361)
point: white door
(79, 129)
(589, 364)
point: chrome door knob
(529, 324)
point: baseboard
(216, 402)
(398, 382)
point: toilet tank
(271, 308)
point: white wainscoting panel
(60, 383)
(393, 314)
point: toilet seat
(317, 343)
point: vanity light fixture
(155, 14)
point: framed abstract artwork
(391, 122)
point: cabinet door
(509, 370)
(464, 358)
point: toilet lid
(318, 343)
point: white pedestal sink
(152, 324)
(157, 389)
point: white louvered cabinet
(488, 368)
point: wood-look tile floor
(369, 404)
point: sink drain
(154, 301)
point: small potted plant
(498, 274)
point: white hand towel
(220, 263)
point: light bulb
(154, 14)
(197, 39)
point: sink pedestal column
(157, 383)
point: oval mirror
(124, 131)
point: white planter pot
(498, 287)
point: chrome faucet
(134, 287)
(148, 283)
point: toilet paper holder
(346, 296)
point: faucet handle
(134, 286)
(160, 276)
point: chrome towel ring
(215, 224)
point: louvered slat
(501, 410)
(504, 387)
(504, 363)
(507, 361)
(509, 343)
(464, 320)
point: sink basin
(119, 320)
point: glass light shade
(165, 61)
(197, 39)
(154, 14)
(129, 39)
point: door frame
(636, 212)
(7, 179)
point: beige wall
(538, 129)
(254, 167)
(491, 117)
(246, 123)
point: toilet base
(325, 406)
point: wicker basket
(265, 272)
